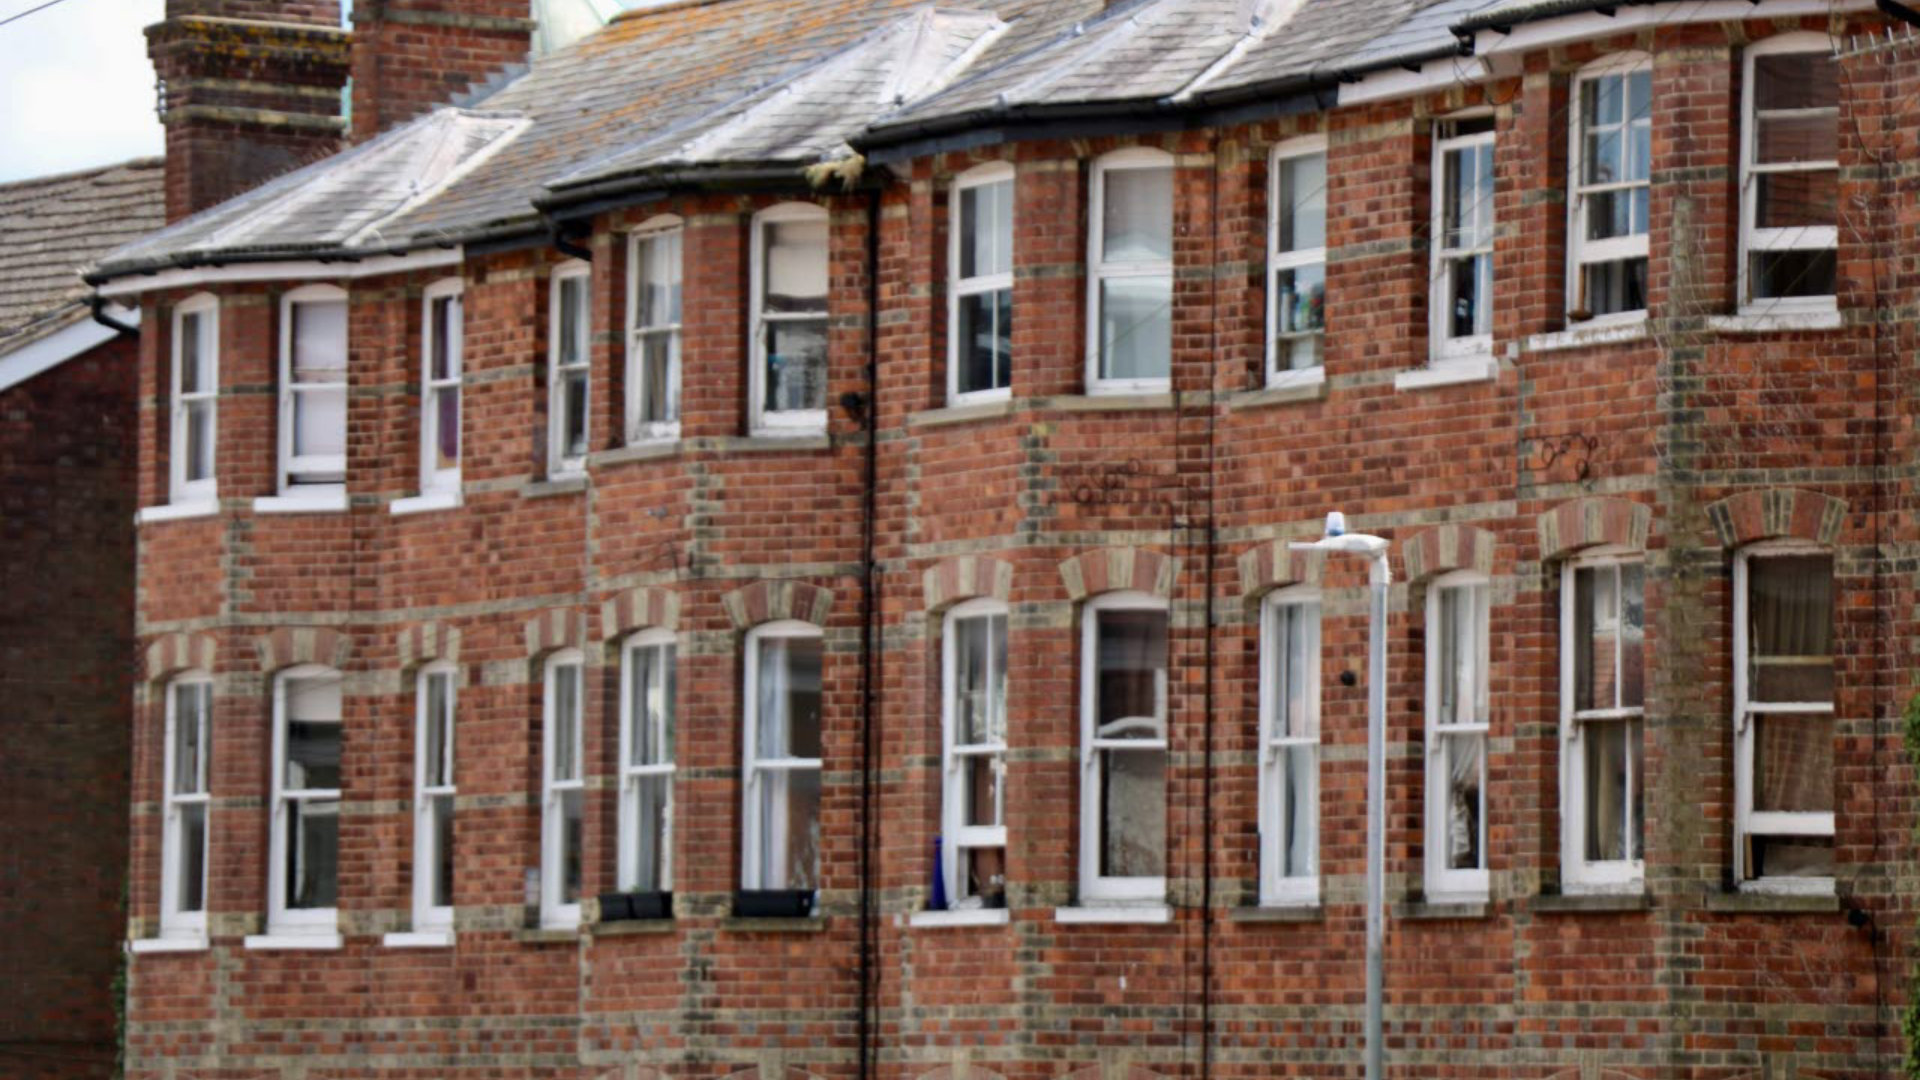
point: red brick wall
(411, 55)
(66, 618)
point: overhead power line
(29, 11)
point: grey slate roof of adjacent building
(726, 87)
(51, 226)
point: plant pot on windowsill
(773, 903)
(626, 906)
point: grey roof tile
(52, 226)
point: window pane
(1137, 215)
(1621, 212)
(1794, 138)
(651, 741)
(566, 721)
(195, 356)
(1777, 274)
(439, 733)
(986, 340)
(1292, 677)
(440, 809)
(1133, 813)
(572, 316)
(446, 428)
(1809, 80)
(1790, 617)
(985, 872)
(796, 266)
(192, 839)
(986, 229)
(1788, 200)
(313, 733)
(320, 341)
(1301, 304)
(660, 279)
(1466, 788)
(654, 817)
(446, 327)
(1462, 673)
(659, 400)
(199, 420)
(1136, 328)
(189, 729)
(1297, 856)
(1301, 203)
(1792, 856)
(1607, 788)
(1633, 636)
(573, 414)
(980, 652)
(788, 711)
(319, 422)
(1467, 206)
(572, 819)
(980, 777)
(313, 853)
(1469, 285)
(1601, 101)
(1131, 675)
(796, 365)
(790, 829)
(1615, 287)
(1793, 764)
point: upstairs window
(653, 341)
(569, 376)
(303, 886)
(563, 792)
(1612, 164)
(1130, 287)
(1790, 173)
(1290, 748)
(1783, 723)
(184, 827)
(313, 387)
(980, 316)
(1462, 281)
(433, 797)
(196, 399)
(647, 769)
(789, 317)
(1123, 750)
(442, 344)
(1297, 259)
(784, 696)
(1602, 705)
(1457, 725)
(974, 722)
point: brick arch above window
(1445, 548)
(561, 628)
(961, 1071)
(966, 577)
(1273, 565)
(1114, 1071)
(1777, 513)
(1091, 573)
(172, 653)
(639, 609)
(1583, 523)
(293, 645)
(426, 642)
(773, 601)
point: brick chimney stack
(249, 89)
(411, 55)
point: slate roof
(724, 89)
(52, 226)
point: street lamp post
(1374, 548)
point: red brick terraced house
(759, 547)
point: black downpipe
(97, 304)
(567, 245)
(869, 657)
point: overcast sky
(76, 89)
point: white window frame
(766, 421)
(639, 431)
(1444, 885)
(291, 467)
(1278, 262)
(1446, 350)
(632, 775)
(206, 308)
(1754, 239)
(559, 463)
(555, 912)
(175, 924)
(995, 172)
(427, 916)
(754, 766)
(1100, 271)
(1577, 874)
(436, 481)
(1580, 251)
(283, 921)
(1277, 889)
(953, 754)
(1096, 888)
(1747, 820)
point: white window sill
(796, 431)
(421, 504)
(1133, 387)
(1109, 914)
(1784, 886)
(177, 511)
(1775, 322)
(293, 941)
(1457, 898)
(419, 939)
(968, 917)
(167, 945)
(1448, 373)
(1589, 335)
(647, 449)
(327, 501)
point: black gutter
(562, 235)
(1895, 10)
(578, 202)
(97, 306)
(869, 656)
(1555, 9)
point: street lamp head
(1336, 524)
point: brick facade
(1683, 440)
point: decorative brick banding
(1113, 569)
(773, 601)
(1777, 513)
(1273, 565)
(640, 609)
(966, 577)
(427, 642)
(294, 645)
(561, 629)
(1446, 548)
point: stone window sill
(804, 924)
(962, 413)
(419, 939)
(1115, 914)
(547, 935)
(1113, 401)
(421, 504)
(1594, 903)
(177, 511)
(971, 917)
(1434, 910)
(325, 501)
(275, 942)
(769, 443)
(1448, 373)
(632, 928)
(1278, 913)
(1587, 336)
(566, 484)
(649, 450)
(1293, 387)
(1758, 902)
(141, 946)
(1775, 322)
